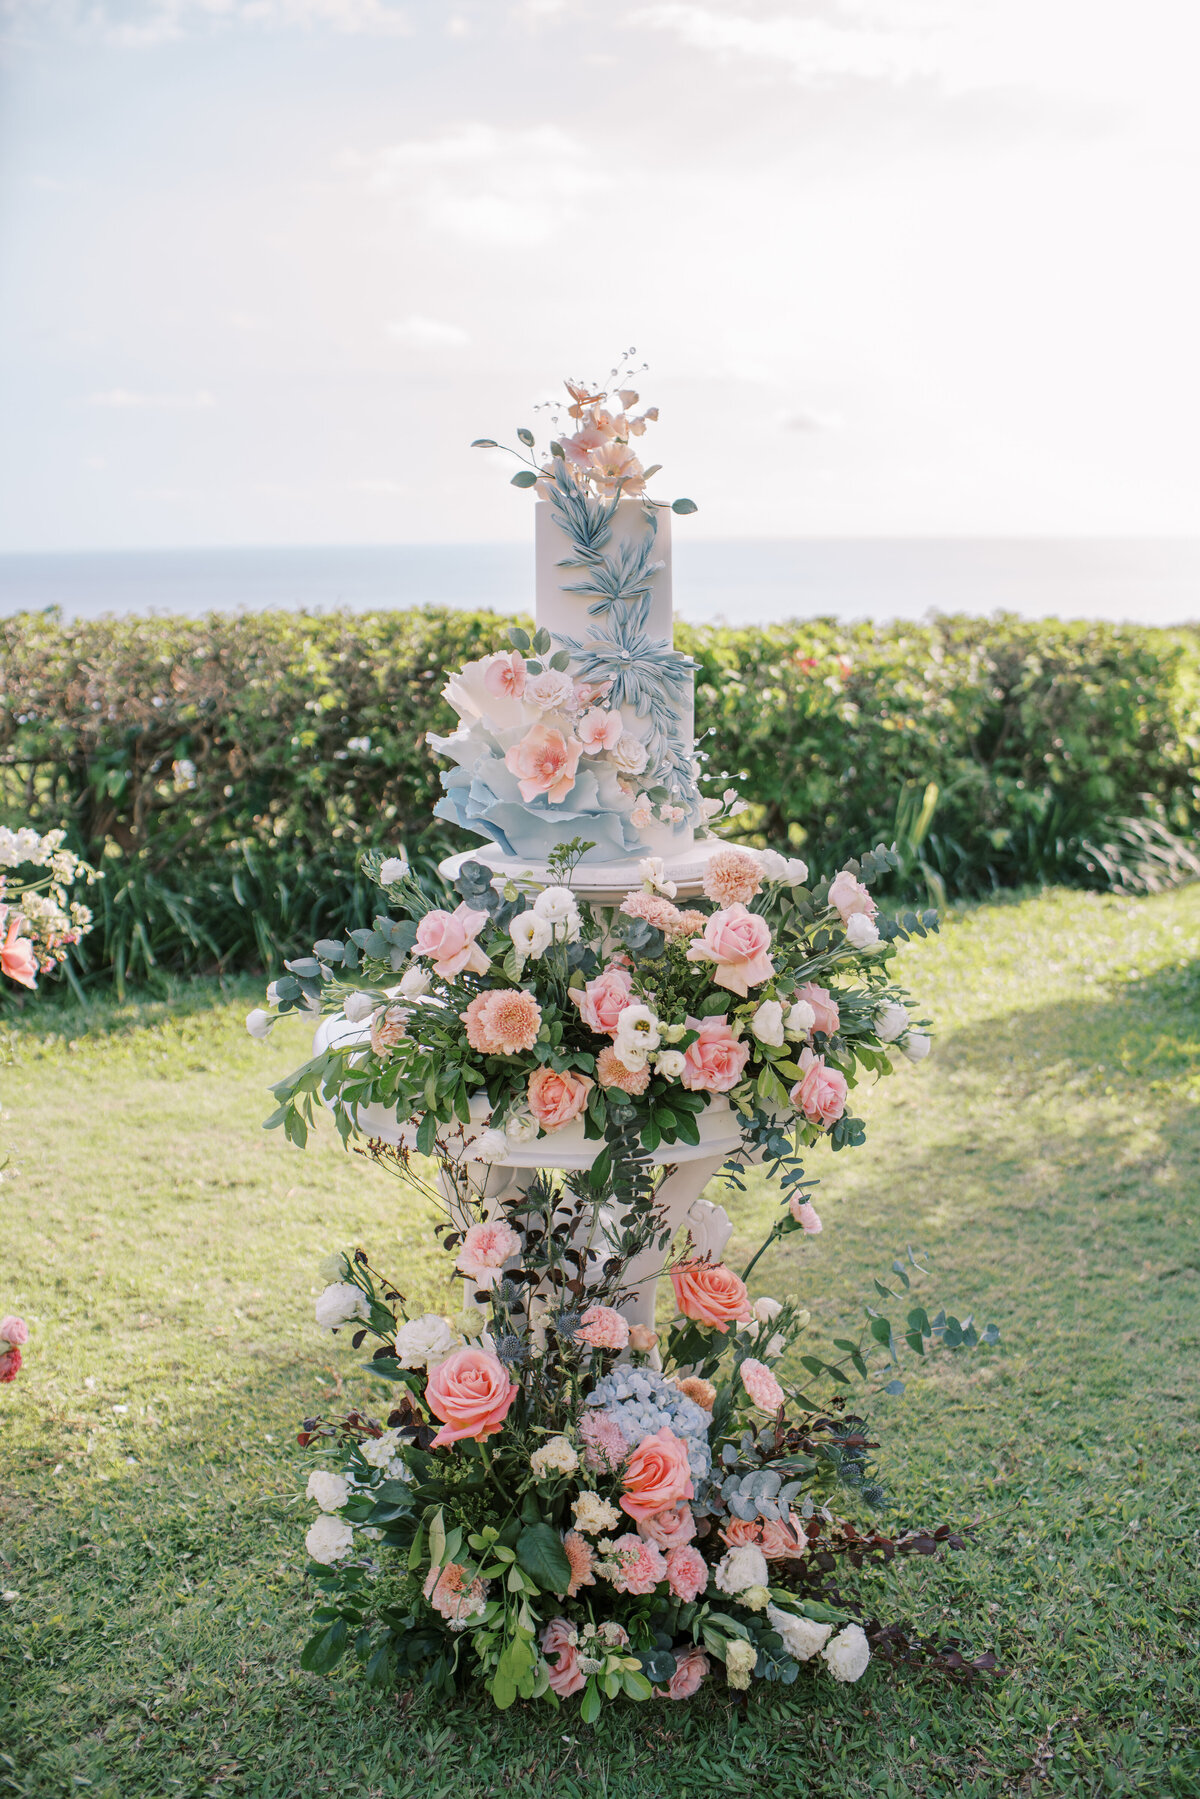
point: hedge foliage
(227, 768)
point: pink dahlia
(640, 1566)
(612, 1072)
(503, 1022)
(602, 1328)
(579, 1554)
(687, 1573)
(764, 1390)
(733, 875)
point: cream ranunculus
(339, 1303)
(670, 1063)
(329, 1539)
(767, 1024)
(800, 1019)
(847, 1655)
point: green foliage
(990, 752)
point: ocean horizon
(1152, 581)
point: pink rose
(656, 1475)
(669, 1529)
(602, 1001)
(544, 762)
(564, 1671)
(17, 956)
(711, 1294)
(736, 942)
(449, 938)
(820, 1093)
(556, 1097)
(504, 675)
(485, 1249)
(716, 1060)
(599, 730)
(687, 1573)
(691, 1667)
(13, 1331)
(471, 1394)
(826, 1016)
(850, 896)
(602, 1328)
(806, 1215)
(782, 1542)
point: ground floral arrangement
(39, 921)
(553, 1501)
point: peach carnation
(733, 875)
(485, 1249)
(688, 923)
(764, 1390)
(820, 1093)
(654, 909)
(582, 1560)
(602, 1328)
(604, 1444)
(544, 762)
(566, 1676)
(448, 1593)
(826, 1016)
(700, 1392)
(612, 1072)
(503, 1022)
(687, 1573)
(557, 1096)
(639, 1566)
(711, 1294)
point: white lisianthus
(916, 1046)
(556, 905)
(425, 1342)
(891, 1021)
(741, 1567)
(765, 1309)
(636, 1036)
(654, 877)
(532, 934)
(331, 1491)
(415, 983)
(329, 1539)
(861, 931)
(339, 1303)
(522, 1127)
(554, 1457)
(670, 1063)
(357, 1007)
(767, 1024)
(490, 1146)
(802, 1637)
(800, 1019)
(791, 869)
(393, 869)
(847, 1655)
(273, 993)
(259, 1023)
(775, 1348)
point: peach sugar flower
(736, 943)
(503, 1022)
(711, 1294)
(471, 1393)
(599, 730)
(716, 1061)
(733, 875)
(820, 1093)
(602, 1328)
(601, 1001)
(485, 1249)
(544, 762)
(448, 1593)
(826, 1016)
(764, 1390)
(557, 1096)
(582, 1559)
(566, 1676)
(656, 1475)
(504, 675)
(612, 1072)
(388, 1026)
(639, 1565)
(687, 1573)
(448, 938)
(691, 1667)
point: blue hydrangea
(640, 1402)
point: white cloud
(815, 50)
(121, 399)
(380, 487)
(428, 334)
(485, 184)
(143, 24)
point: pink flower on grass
(733, 875)
(18, 958)
(602, 1001)
(580, 1554)
(504, 675)
(656, 1475)
(471, 1394)
(449, 939)
(556, 1097)
(670, 1528)
(13, 1331)
(640, 1566)
(502, 1022)
(599, 730)
(711, 1294)
(806, 1216)
(612, 1072)
(691, 1667)
(764, 1390)
(566, 1676)
(850, 896)
(716, 1061)
(544, 762)
(687, 1573)
(736, 943)
(602, 1328)
(604, 1443)
(826, 1016)
(485, 1249)
(820, 1093)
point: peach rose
(711, 1294)
(669, 1529)
(737, 1532)
(544, 762)
(736, 942)
(716, 1061)
(449, 938)
(556, 1097)
(18, 958)
(826, 1016)
(820, 1093)
(602, 1001)
(566, 1676)
(504, 675)
(599, 730)
(656, 1476)
(782, 1542)
(691, 1667)
(471, 1394)
(850, 896)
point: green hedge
(994, 751)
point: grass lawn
(164, 1250)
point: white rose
(670, 1063)
(489, 1146)
(415, 984)
(861, 931)
(765, 1309)
(329, 1539)
(425, 1342)
(551, 691)
(802, 1637)
(531, 934)
(891, 1021)
(259, 1023)
(637, 1034)
(767, 1023)
(654, 876)
(800, 1019)
(629, 754)
(916, 1046)
(848, 1654)
(339, 1303)
(393, 870)
(331, 1491)
(522, 1127)
(745, 1566)
(710, 1228)
(358, 1006)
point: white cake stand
(600, 883)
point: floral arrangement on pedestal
(39, 921)
(555, 1500)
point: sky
(898, 267)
